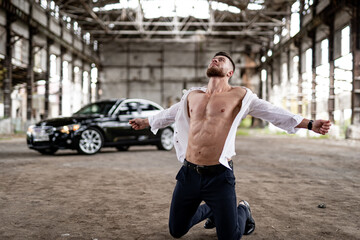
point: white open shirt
(251, 105)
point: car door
(122, 132)
(148, 109)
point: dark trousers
(218, 193)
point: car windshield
(101, 108)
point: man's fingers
(323, 126)
(135, 124)
(136, 127)
(328, 124)
(323, 132)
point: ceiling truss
(129, 24)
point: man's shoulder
(240, 91)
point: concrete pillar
(271, 74)
(353, 131)
(72, 69)
(261, 87)
(355, 37)
(81, 70)
(61, 80)
(8, 67)
(30, 75)
(162, 91)
(313, 64)
(300, 79)
(331, 103)
(47, 79)
(313, 82)
(269, 79)
(128, 71)
(98, 85)
(62, 52)
(89, 86)
(288, 64)
(279, 69)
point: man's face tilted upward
(220, 66)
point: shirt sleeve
(164, 118)
(278, 116)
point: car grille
(42, 134)
(44, 129)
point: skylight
(254, 6)
(170, 8)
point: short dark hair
(225, 54)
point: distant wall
(160, 71)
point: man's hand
(321, 126)
(139, 123)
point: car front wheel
(91, 141)
(166, 140)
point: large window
(322, 80)
(343, 78)
(295, 19)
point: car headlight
(68, 128)
(30, 129)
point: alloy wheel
(166, 141)
(91, 141)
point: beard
(215, 72)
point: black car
(101, 124)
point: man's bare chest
(202, 106)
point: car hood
(62, 121)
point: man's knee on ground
(176, 234)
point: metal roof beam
(200, 32)
(93, 15)
(218, 24)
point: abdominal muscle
(206, 141)
(211, 117)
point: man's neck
(218, 85)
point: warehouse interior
(56, 56)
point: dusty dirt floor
(126, 195)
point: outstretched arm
(139, 123)
(319, 126)
(157, 121)
(284, 119)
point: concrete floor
(126, 195)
